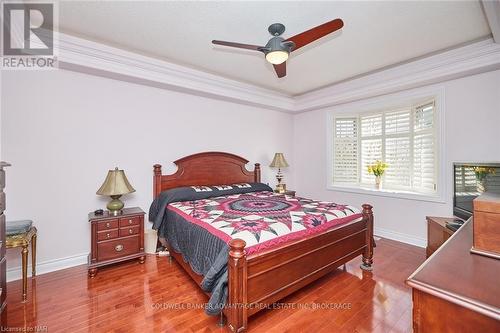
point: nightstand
(437, 233)
(288, 192)
(116, 238)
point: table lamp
(279, 162)
(115, 185)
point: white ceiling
(375, 34)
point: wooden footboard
(267, 277)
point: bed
(257, 277)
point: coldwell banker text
(28, 36)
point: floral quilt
(264, 219)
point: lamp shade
(278, 161)
(116, 183)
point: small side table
(116, 238)
(437, 233)
(22, 234)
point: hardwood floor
(131, 297)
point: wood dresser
(116, 238)
(455, 290)
(437, 233)
(3, 262)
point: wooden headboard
(210, 168)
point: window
(404, 138)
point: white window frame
(386, 103)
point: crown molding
(467, 60)
(93, 58)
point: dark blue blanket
(206, 254)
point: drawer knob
(108, 235)
(129, 221)
(118, 248)
(130, 231)
(108, 225)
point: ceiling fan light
(277, 57)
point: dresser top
(126, 212)
(455, 274)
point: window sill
(389, 193)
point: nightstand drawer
(128, 221)
(104, 235)
(133, 230)
(107, 225)
(117, 248)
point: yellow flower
(378, 168)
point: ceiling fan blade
(311, 35)
(238, 45)
(280, 69)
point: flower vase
(481, 185)
(378, 182)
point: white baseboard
(400, 237)
(80, 259)
(15, 273)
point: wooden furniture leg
(368, 253)
(237, 281)
(33, 256)
(24, 253)
(92, 272)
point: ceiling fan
(278, 49)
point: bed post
(237, 266)
(368, 253)
(156, 180)
(257, 173)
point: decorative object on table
(377, 169)
(455, 224)
(486, 231)
(115, 185)
(481, 175)
(115, 239)
(279, 162)
(22, 234)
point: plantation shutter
(404, 138)
(371, 145)
(397, 149)
(345, 164)
(424, 150)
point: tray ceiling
(375, 35)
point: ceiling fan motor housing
(277, 44)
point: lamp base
(280, 188)
(115, 206)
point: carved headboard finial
(157, 169)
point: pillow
(188, 193)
